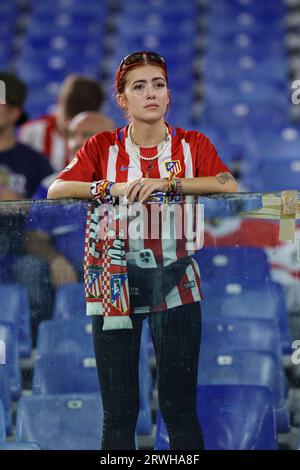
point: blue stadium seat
(14, 309)
(182, 27)
(9, 335)
(272, 159)
(243, 265)
(69, 302)
(11, 445)
(232, 417)
(274, 143)
(64, 336)
(234, 334)
(61, 422)
(73, 372)
(279, 176)
(55, 7)
(5, 397)
(247, 368)
(239, 299)
(239, 117)
(246, 68)
(244, 43)
(239, 24)
(247, 91)
(2, 422)
(272, 8)
(178, 8)
(65, 373)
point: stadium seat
(61, 422)
(233, 334)
(69, 302)
(15, 309)
(11, 445)
(240, 116)
(2, 422)
(272, 155)
(246, 368)
(232, 417)
(246, 68)
(74, 372)
(263, 300)
(8, 335)
(247, 91)
(64, 336)
(65, 373)
(5, 397)
(244, 265)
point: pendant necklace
(150, 160)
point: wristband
(100, 190)
(171, 184)
(178, 185)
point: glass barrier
(81, 282)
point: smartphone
(142, 259)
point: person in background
(48, 134)
(21, 167)
(21, 171)
(54, 235)
(83, 126)
(145, 157)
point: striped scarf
(105, 268)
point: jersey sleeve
(85, 166)
(208, 162)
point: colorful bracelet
(100, 190)
(171, 183)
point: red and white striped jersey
(109, 155)
(43, 136)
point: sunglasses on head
(137, 57)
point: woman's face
(146, 94)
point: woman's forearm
(61, 188)
(221, 183)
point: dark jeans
(176, 338)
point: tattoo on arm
(223, 178)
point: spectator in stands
(146, 156)
(83, 126)
(21, 167)
(54, 239)
(21, 171)
(48, 134)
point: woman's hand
(141, 189)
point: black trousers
(176, 337)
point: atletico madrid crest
(173, 166)
(119, 292)
(94, 281)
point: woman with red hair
(148, 156)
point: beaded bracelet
(100, 190)
(171, 183)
